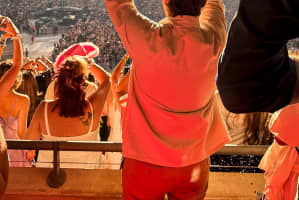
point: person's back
(6, 83)
(71, 116)
(172, 117)
(57, 128)
(13, 117)
(172, 80)
(11, 121)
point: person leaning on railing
(6, 82)
(71, 116)
(172, 122)
(14, 106)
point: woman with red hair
(71, 116)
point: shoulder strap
(91, 123)
(12, 106)
(46, 118)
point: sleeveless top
(9, 125)
(70, 159)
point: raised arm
(98, 98)
(47, 62)
(123, 85)
(12, 32)
(120, 86)
(116, 72)
(102, 77)
(134, 29)
(41, 66)
(28, 65)
(212, 20)
(99, 73)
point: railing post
(57, 176)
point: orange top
(287, 125)
(172, 117)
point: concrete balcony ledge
(83, 184)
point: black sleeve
(255, 73)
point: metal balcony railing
(57, 177)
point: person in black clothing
(255, 73)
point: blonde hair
(294, 57)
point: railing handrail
(57, 177)
(64, 145)
(117, 147)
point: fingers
(8, 26)
(6, 35)
(2, 23)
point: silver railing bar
(64, 145)
(228, 149)
(117, 147)
(57, 177)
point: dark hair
(70, 90)
(185, 7)
(29, 87)
(256, 127)
(4, 67)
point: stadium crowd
(98, 29)
(36, 74)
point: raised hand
(7, 26)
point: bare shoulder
(40, 108)
(22, 98)
(50, 103)
(99, 97)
